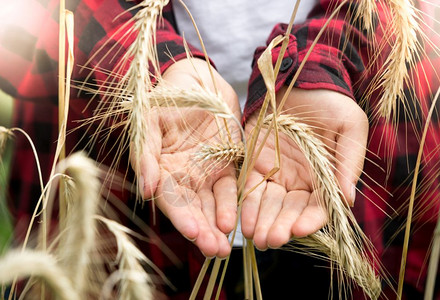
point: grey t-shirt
(233, 29)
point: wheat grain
(226, 152)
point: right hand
(286, 205)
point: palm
(187, 191)
(200, 202)
(286, 205)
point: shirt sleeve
(341, 60)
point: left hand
(200, 200)
(286, 205)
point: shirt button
(285, 64)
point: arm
(337, 63)
(286, 205)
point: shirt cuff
(324, 69)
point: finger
(225, 194)
(271, 204)
(251, 205)
(209, 211)
(311, 219)
(182, 206)
(350, 155)
(147, 166)
(293, 205)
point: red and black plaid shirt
(28, 71)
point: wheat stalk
(350, 254)
(21, 264)
(79, 236)
(413, 195)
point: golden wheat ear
(5, 135)
(404, 28)
(130, 80)
(28, 263)
(342, 238)
(78, 238)
(134, 281)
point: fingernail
(141, 184)
(191, 240)
(224, 258)
(353, 194)
(256, 247)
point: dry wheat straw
(348, 242)
(79, 236)
(404, 28)
(433, 264)
(21, 264)
(6, 134)
(413, 195)
(65, 71)
(129, 259)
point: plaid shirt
(28, 71)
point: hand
(203, 207)
(286, 205)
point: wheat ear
(129, 258)
(342, 227)
(5, 135)
(404, 28)
(21, 264)
(131, 79)
(79, 235)
(137, 79)
(226, 152)
(365, 12)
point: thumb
(350, 155)
(146, 165)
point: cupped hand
(286, 205)
(201, 204)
